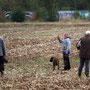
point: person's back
(85, 47)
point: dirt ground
(29, 47)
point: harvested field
(29, 48)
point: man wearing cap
(66, 46)
(84, 46)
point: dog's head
(51, 59)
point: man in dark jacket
(84, 46)
(2, 55)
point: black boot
(79, 74)
(65, 68)
(2, 73)
(87, 75)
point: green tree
(18, 14)
(26, 4)
(0, 5)
(52, 10)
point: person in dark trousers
(66, 49)
(84, 46)
(2, 55)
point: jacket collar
(66, 37)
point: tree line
(45, 9)
(33, 5)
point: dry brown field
(29, 47)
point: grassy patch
(28, 66)
(75, 60)
(36, 65)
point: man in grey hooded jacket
(66, 48)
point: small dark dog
(55, 62)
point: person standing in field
(84, 46)
(2, 56)
(66, 49)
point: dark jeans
(82, 62)
(1, 63)
(66, 61)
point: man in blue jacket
(2, 55)
(66, 48)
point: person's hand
(66, 52)
(5, 59)
(58, 37)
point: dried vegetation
(29, 47)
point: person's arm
(4, 48)
(78, 45)
(59, 39)
(4, 51)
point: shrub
(18, 15)
(88, 16)
(53, 16)
(77, 15)
(2, 16)
(42, 14)
(2, 19)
